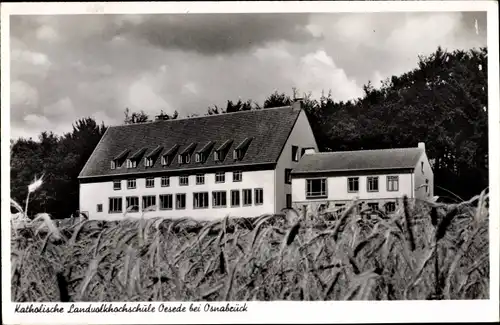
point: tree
(277, 100)
(60, 160)
(135, 117)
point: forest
(443, 102)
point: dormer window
(185, 155)
(131, 163)
(166, 159)
(150, 158)
(202, 154)
(221, 152)
(134, 160)
(118, 161)
(241, 149)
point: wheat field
(426, 250)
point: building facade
(379, 179)
(236, 164)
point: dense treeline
(442, 102)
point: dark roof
(360, 160)
(155, 152)
(269, 128)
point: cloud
(213, 34)
(23, 95)
(65, 67)
(34, 58)
(47, 33)
(318, 72)
(142, 96)
(60, 109)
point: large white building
(236, 164)
(378, 178)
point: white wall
(92, 194)
(421, 175)
(337, 188)
(301, 136)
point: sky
(65, 67)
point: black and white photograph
(241, 157)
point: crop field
(425, 250)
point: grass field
(424, 251)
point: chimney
(421, 145)
(298, 104)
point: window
(99, 208)
(392, 183)
(148, 201)
(202, 154)
(185, 155)
(221, 152)
(200, 200)
(200, 179)
(427, 189)
(289, 201)
(165, 160)
(184, 159)
(131, 163)
(390, 207)
(295, 153)
(235, 198)
(259, 196)
(288, 176)
(237, 176)
(220, 177)
(115, 204)
(166, 201)
(150, 182)
(422, 166)
(373, 206)
(247, 197)
(184, 180)
(219, 199)
(372, 184)
(119, 164)
(117, 185)
(132, 203)
(316, 188)
(165, 181)
(353, 184)
(241, 149)
(113, 165)
(180, 201)
(168, 157)
(152, 156)
(131, 183)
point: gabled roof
(269, 128)
(361, 160)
